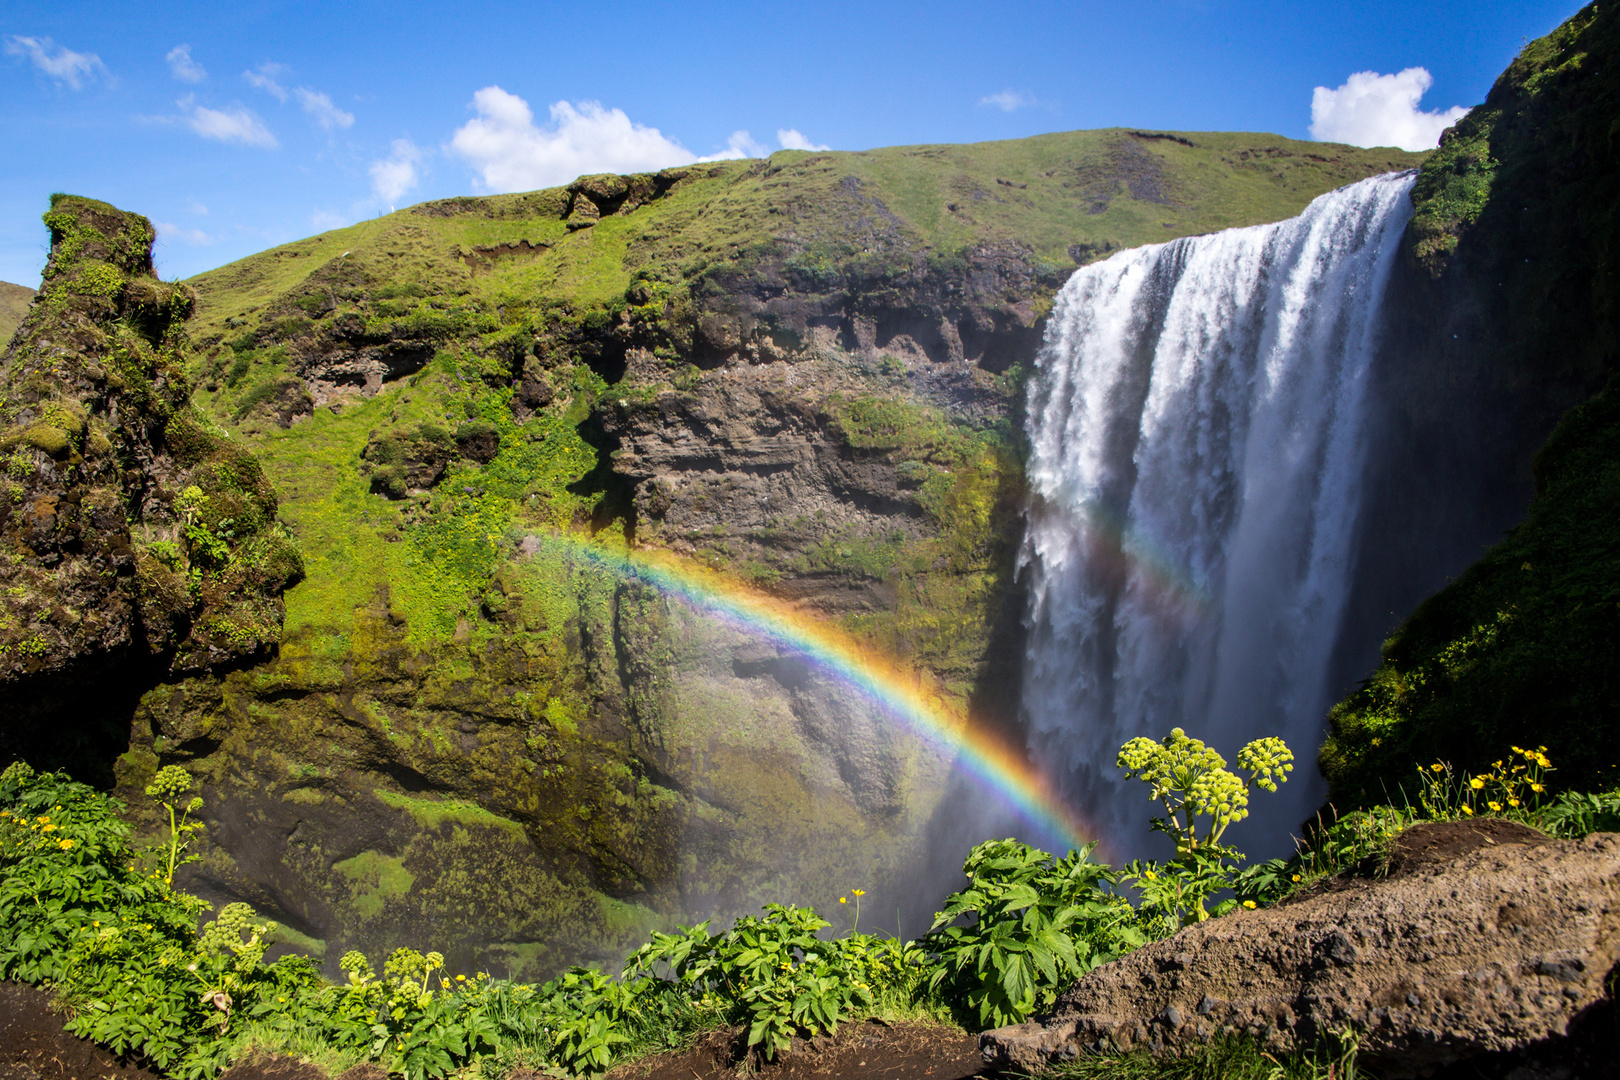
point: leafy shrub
(1033, 924)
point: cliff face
(798, 376)
(1510, 317)
(137, 538)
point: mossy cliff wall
(800, 375)
(1510, 315)
(136, 539)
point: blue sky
(239, 126)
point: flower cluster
(1191, 780)
(1513, 787)
(1268, 760)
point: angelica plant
(1201, 798)
(170, 783)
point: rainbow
(902, 693)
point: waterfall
(1197, 440)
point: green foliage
(1191, 781)
(123, 949)
(1517, 650)
(1027, 924)
(170, 783)
(775, 973)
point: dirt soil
(868, 1051)
(33, 1045)
(1439, 842)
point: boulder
(1484, 938)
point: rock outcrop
(1450, 957)
(131, 527)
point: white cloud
(320, 106)
(71, 68)
(512, 153)
(1008, 100)
(183, 67)
(394, 175)
(1380, 110)
(791, 139)
(264, 77)
(196, 208)
(190, 237)
(739, 145)
(236, 125)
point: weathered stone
(1488, 951)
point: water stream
(1198, 441)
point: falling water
(1197, 445)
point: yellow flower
(1249, 904)
(1296, 877)
(1513, 802)
(64, 844)
(859, 892)
(843, 900)
(1437, 767)
(1494, 805)
(1378, 742)
(1537, 788)
(48, 828)
(461, 978)
(1476, 783)
(1150, 875)
(1469, 810)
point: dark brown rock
(135, 528)
(1492, 950)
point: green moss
(431, 813)
(375, 879)
(1517, 651)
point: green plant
(1357, 841)
(170, 783)
(1191, 781)
(1026, 924)
(1514, 787)
(1575, 814)
(775, 971)
(1224, 1057)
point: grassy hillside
(14, 301)
(1064, 196)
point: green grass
(1224, 1058)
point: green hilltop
(1063, 196)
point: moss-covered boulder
(132, 528)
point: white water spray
(1197, 446)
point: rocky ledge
(1481, 940)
